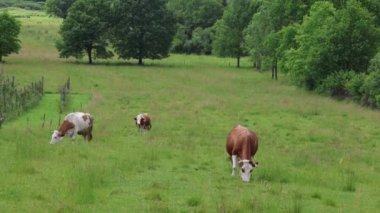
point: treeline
(128, 28)
(329, 46)
(25, 4)
(14, 101)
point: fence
(13, 101)
(64, 92)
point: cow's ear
(254, 163)
(134, 118)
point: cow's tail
(91, 121)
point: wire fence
(14, 100)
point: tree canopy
(84, 30)
(58, 8)
(229, 37)
(195, 19)
(9, 31)
(142, 29)
(331, 40)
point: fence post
(59, 119)
(1, 119)
(1, 68)
(43, 120)
(68, 83)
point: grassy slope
(315, 154)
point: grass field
(316, 154)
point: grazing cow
(74, 123)
(241, 145)
(143, 121)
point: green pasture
(315, 154)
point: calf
(241, 145)
(76, 123)
(143, 121)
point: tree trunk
(238, 61)
(140, 60)
(89, 50)
(274, 70)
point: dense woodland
(327, 46)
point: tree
(142, 29)
(355, 39)
(9, 30)
(331, 40)
(58, 8)
(263, 35)
(229, 36)
(85, 30)
(307, 63)
(194, 17)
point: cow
(75, 123)
(241, 145)
(143, 121)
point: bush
(374, 64)
(335, 84)
(371, 89)
(354, 86)
(31, 5)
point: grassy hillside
(315, 154)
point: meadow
(315, 154)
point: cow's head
(139, 119)
(55, 137)
(246, 170)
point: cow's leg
(234, 159)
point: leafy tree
(331, 40)
(58, 8)
(201, 41)
(229, 36)
(354, 39)
(308, 62)
(194, 16)
(264, 35)
(9, 30)
(84, 30)
(142, 29)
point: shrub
(335, 84)
(354, 86)
(374, 64)
(371, 89)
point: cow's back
(236, 139)
(232, 139)
(80, 120)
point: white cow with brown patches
(143, 121)
(75, 123)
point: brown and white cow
(241, 145)
(75, 123)
(143, 121)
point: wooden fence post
(43, 120)
(59, 119)
(1, 119)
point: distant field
(316, 154)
